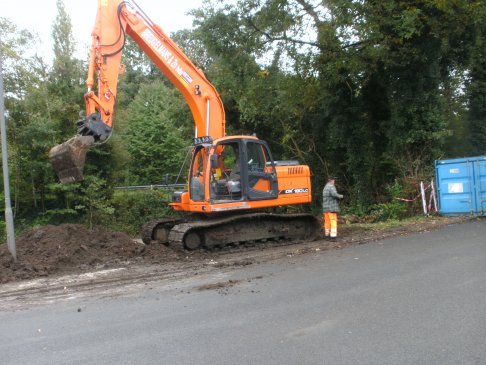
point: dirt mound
(73, 248)
(70, 249)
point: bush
(392, 209)
(132, 209)
(3, 231)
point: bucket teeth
(68, 158)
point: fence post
(422, 192)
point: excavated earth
(73, 248)
(51, 259)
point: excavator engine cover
(68, 158)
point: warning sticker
(453, 188)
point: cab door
(225, 176)
(260, 177)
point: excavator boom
(115, 20)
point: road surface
(418, 299)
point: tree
(14, 44)
(21, 81)
(364, 82)
(66, 86)
(42, 111)
(158, 129)
(477, 85)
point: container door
(455, 188)
(481, 187)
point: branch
(271, 38)
(282, 38)
(309, 9)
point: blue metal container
(461, 186)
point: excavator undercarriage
(210, 233)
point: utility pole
(6, 181)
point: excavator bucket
(68, 158)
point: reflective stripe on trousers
(330, 224)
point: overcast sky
(38, 16)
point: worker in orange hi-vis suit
(330, 207)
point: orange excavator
(231, 179)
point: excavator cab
(230, 172)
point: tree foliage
(477, 84)
(369, 84)
(373, 91)
(156, 133)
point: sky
(39, 15)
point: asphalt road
(419, 299)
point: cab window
(197, 181)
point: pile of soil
(70, 248)
(74, 248)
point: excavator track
(234, 230)
(158, 230)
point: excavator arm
(115, 20)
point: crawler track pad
(68, 158)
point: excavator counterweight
(68, 158)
